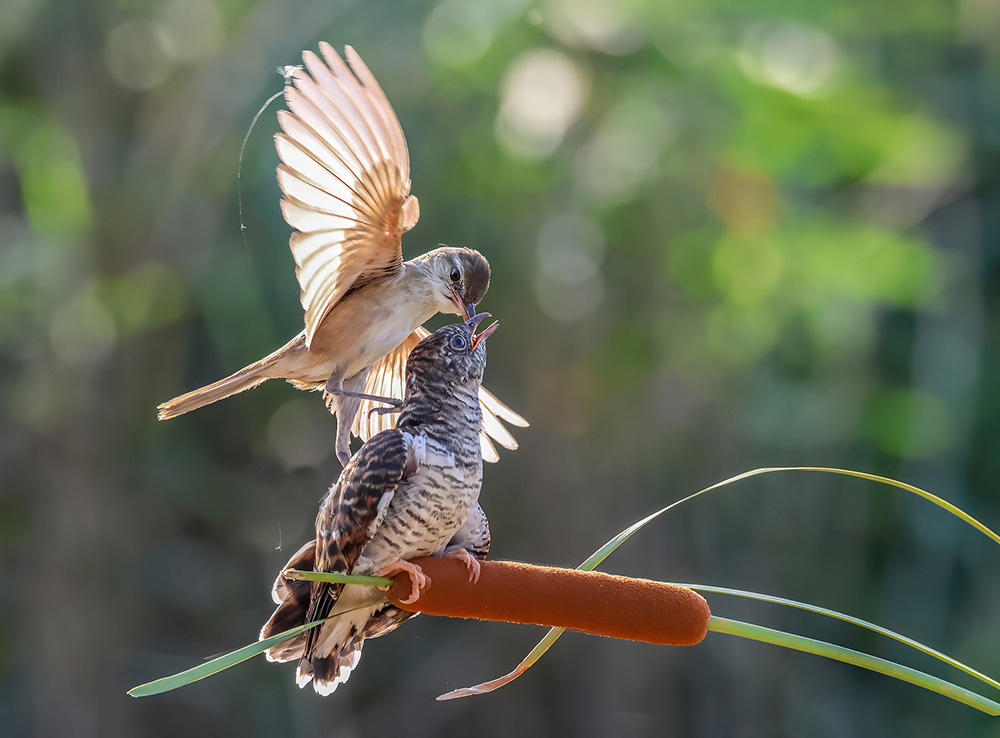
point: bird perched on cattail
(345, 175)
(411, 491)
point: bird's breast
(366, 326)
(430, 505)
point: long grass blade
(216, 665)
(227, 660)
(336, 578)
(849, 656)
(526, 663)
(848, 619)
(595, 559)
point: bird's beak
(481, 338)
(474, 321)
(466, 311)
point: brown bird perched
(345, 175)
(411, 491)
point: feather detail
(409, 492)
(345, 177)
(387, 378)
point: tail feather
(330, 661)
(328, 653)
(246, 378)
(330, 672)
(290, 650)
(292, 597)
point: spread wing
(387, 378)
(345, 175)
(352, 513)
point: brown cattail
(588, 601)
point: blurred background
(724, 235)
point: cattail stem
(588, 601)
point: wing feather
(487, 448)
(496, 408)
(398, 142)
(374, 125)
(345, 179)
(493, 428)
(351, 514)
(326, 154)
(387, 378)
(329, 93)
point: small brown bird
(409, 492)
(345, 175)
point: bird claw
(385, 410)
(418, 580)
(391, 401)
(470, 561)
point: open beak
(486, 333)
(467, 311)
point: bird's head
(453, 354)
(461, 278)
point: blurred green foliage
(723, 235)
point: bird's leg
(470, 561)
(344, 394)
(339, 387)
(396, 404)
(418, 580)
(386, 410)
(340, 393)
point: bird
(410, 491)
(345, 179)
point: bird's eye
(459, 343)
(455, 274)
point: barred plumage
(409, 492)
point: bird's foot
(418, 580)
(386, 410)
(391, 401)
(470, 561)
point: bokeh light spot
(609, 26)
(137, 54)
(148, 296)
(747, 270)
(793, 57)
(739, 336)
(921, 152)
(457, 33)
(191, 29)
(911, 423)
(625, 151)
(53, 183)
(543, 93)
(568, 282)
(81, 330)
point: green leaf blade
(595, 559)
(336, 577)
(207, 669)
(853, 621)
(856, 658)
